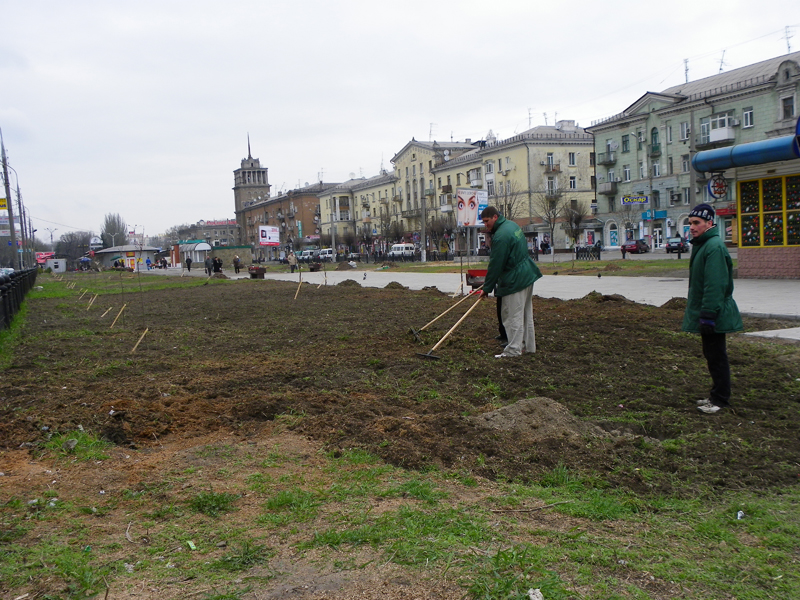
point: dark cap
(704, 211)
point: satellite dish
(352, 175)
(613, 145)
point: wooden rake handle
(453, 328)
(423, 328)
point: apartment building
(646, 185)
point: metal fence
(13, 288)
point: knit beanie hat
(704, 211)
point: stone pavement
(770, 298)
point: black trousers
(502, 329)
(716, 353)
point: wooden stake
(140, 340)
(83, 294)
(298, 290)
(118, 314)
(105, 313)
(92, 301)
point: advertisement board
(469, 205)
(268, 236)
(629, 200)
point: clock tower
(250, 185)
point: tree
(440, 229)
(74, 244)
(396, 231)
(549, 204)
(509, 201)
(114, 231)
(575, 215)
(629, 215)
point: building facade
(250, 186)
(646, 183)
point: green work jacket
(511, 268)
(711, 286)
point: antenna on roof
(545, 118)
(686, 69)
(249, 156)
(722, 62)
(430, 132)
(787, 37)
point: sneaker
(500, 356)
(704, 402)
(709, 408)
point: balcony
(384, 200)
(609, 188)
(552, 193)
(397, 198)
(721, 134)
(552, 168)
(366, 219)
(606, 158)
(411, 214)
(475, 181)
(430, 192)
(447, 189)
(365, 203)
(655, 150)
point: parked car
(402, 252)
(326, 255)
(676, 244)
(636, 246)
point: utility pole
(23, 241)
(51, 230)
(9, 204)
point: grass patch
(80, 445)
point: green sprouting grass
(213, 504)
(77, 444)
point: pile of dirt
(345, 266)
(393, 285)
(349, 283)
(675, 304)
(537, 419)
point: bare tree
(575, 215)
(440, 229)
(178, 233)
(629, 214)
(509, 200)
(396, 231)
(348, 238)
(549, 204)
(74, 244)
(114, 231)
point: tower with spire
(250, 184)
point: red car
(636, 246)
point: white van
(402, 252)
(326, 255)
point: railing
(609, 188)
(655, 149)
(13, 288)
(553, 168)
(606, 158)
(411, 213)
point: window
(550, 159)
(626, 143)
(458, 178)
(490, 187)
(654, 136)
(787, 107)
(747, 117)
(611, 204)
(720, 120)
(685, 130)
(438, 183)
(685, 196)
(591, 159)
(669, 165)
(656, 169)
(641, 170)
(705, 130)
(685, 164)
(413, 170)
(448, 180)
(656, 196)
(626, 172)
(490, 167)
(571, 159)
(669, 134)
(610, 175)
(573, 183)
(551, 185)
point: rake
(430, 354)
(424, 327)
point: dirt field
(245, 365)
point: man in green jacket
(710, 307)
(511, 275)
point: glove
(707, 322)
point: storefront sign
(628, 200)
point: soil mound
(343, 266)
(598, 297)
(538, 419)
(349, 283)
(675, 303)
(393, 285)
(612, 267)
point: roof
(758, 71)
(127, 248)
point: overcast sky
(143, 108)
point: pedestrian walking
(511, 275)
(209, 265)
(189, 264)
(236, 263)
(711, 310)
(292, 260)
